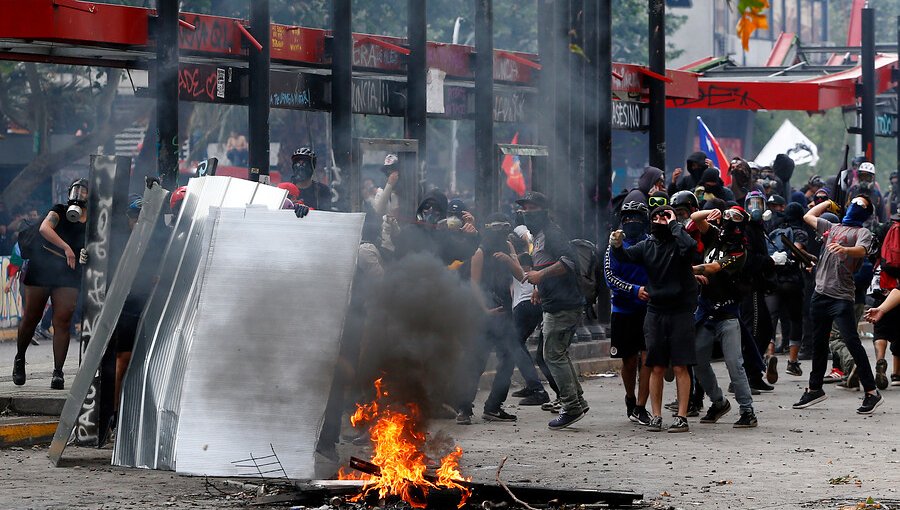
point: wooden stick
(513, 496)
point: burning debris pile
(399, 465)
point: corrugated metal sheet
(152, 387)
(266, 337)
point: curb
(44, 406)
(27, 431)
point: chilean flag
(512, 166)
(710, 146)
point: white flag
(791, 141)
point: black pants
(527, 316)
(786, 306)
(809, 286)
(497, 335)
(826, 310)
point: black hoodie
(672, 286)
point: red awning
(785, 91)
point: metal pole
(486, 191)
(578, 203)
(416, 75)
(167, 91)
(868, 78)
(260, 27)
(592, 119)
(604, 128)
(546, 108)
(560, 163)
(454, 125)
(341, 96)
(657, 10)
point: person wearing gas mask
(695, 165)
(846, 245)
(554, 275)
(667, 255)
(627, 283)
(785, 300)
(54, 272)
(717, 317)
(493, 267)
(313, 194)
(754, 314)
(431, 233)
(866, 185)
(892, 198)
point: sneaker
(630, 404)
(851, 382)
(895, 379)
(810, 398)
(42, 334)
(524, 392)
(804, 355)
(835, 376)
(716, 411)
(463, 418)
(881, 380)
(772, 370)
(870, 403)
(498, 415)
(19, 371)
(746, 421)
(793, 368)
(641, 416)
(692, 412)
(536, 398)
(57, 382)
(760, 385)
(679, 424)
(553, 406)
(564, 420)
(672, 406)
(655, 424)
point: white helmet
(867, 167)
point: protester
(804, 196)
(754, 313)
(741, 182)
(561, 301)
(892, 198)
(53, 273)
(719, 309)
(629, 297)
(293, 193)
(494, 265)
(887, 329)
(695, 165)
(237, 149)
(126, 329)
(847, 244)
(714, 187)
(650, 181)
(866, 185)
(668, 327)
(313, 194)
(386, 203)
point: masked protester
(494, 265)
(713, 186)
(754, 314)
(627, 283)
(683, 180)
(846, 244)
(717, 316)
(652, 180)
(54, 272)
(892, 199)
(866, 185)
(774, 215)
(430, 234)
(554, 275)
(313, 194)
(668, 328)
(741, 184)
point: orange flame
(398, 443)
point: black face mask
(660, 231)
(732, 234)
(494, 242)
(634, 229)
(302, 171)
(534, 220)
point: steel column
(560, 164)
(260, 27)
(546, 108)
(578, 201)
(416, 75)
(868, 85)
(167, 91)
(486, 192)
(657, 26)
(592, 85)
(341, 95)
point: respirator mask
(77, 200)
(302, 171)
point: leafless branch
(513, 496)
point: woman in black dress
(54, 272)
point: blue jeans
(559, 329)
(728, 332)
(826, 310)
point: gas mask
(78, 195)
(756, 205)
(302, 171)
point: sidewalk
(35, 397)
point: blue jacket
(624, 279)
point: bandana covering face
(856, 215)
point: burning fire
(398, 444)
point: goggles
(818, 199)
(658, 201)
(733, 215)
(860, 201)
(497, 226)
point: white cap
(867, 167)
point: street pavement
(825, 457)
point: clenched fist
(615, 238)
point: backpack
(588, 265)
(29, 240)
(776, 243)
(788, 278)
(890, 257)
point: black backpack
(587, 261)
(29, 240)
